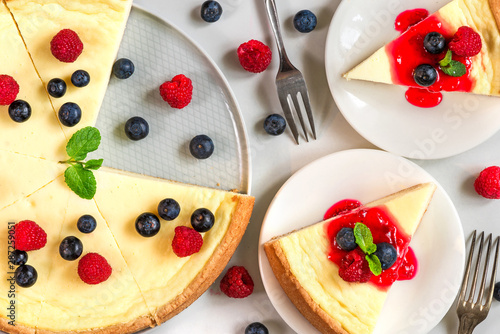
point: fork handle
(272, 14)
(467, 324)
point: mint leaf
(446, 60)
(81, 181)
(364, 238)
(93, 164)
(82, 142)
(454, 69)
(374, 264)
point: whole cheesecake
(396, 62)
(149, 283)
(306, 262)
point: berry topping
(425, 75)
(201, 147)
(93, 268)
(169, 209)
(237, 283)
(354, 267)
(70, 248)
(466, 42)
(29, 236)
(123, 68)
(20, 111)
(136, 128)
(341, 207)
(387, 254)
(8, 89)
(434, 42)
(80, 78)
(178, 92)
(409, 18)
(256, 328)
(487, 184)
(211, 11)
(147, 224)
(56, 87)
(305, 21)
(70, 114)
(25, 276)
(18, 257)
(186, 241)
(345, 239)
(254, 56)
(202, 220)
(86, 224)
(274, 124)
(66, 46)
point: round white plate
(380, 112)
(412, 307)
(160, 51)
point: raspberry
(466, 42)
(8, 90)
(487, 183)
(29, 236)
(254, 56)
(177, 92)
(66, 46)
(354, 267)
(186, 241)
(94, 269)
(237, 283)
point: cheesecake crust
(495, 9)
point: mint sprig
(79, 176)
(452, 67)
(364, 239)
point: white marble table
(275, 159)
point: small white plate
(412, 307)
(380, 112)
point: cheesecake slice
(306, 263)
(41, 135)
(99, 24)
(395, 62)
(170, 283)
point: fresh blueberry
(305, 21)
(136, 128)
(274, 124)
(86, 224)
(123, 68)
(201, 147)
(56, 87)
(70, 114)
(80, 78)
(19, 111)
(169, 209)
(496, 291)
(147, 224)
(211, 11)
(25, 276)
(70, 248)
(18, 257)
(387, 254)
(425, 75)
(434, 42)
(202, 220)
(256, 328)
(345, 239)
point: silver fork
(472, 311)
(289, 81)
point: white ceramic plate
(380, 112)
(412, 307)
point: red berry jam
(409, 18)
(341, 207)
(423, 98)
(384, 229)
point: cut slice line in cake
(483, 16)
(311, 280)
(100, 26)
